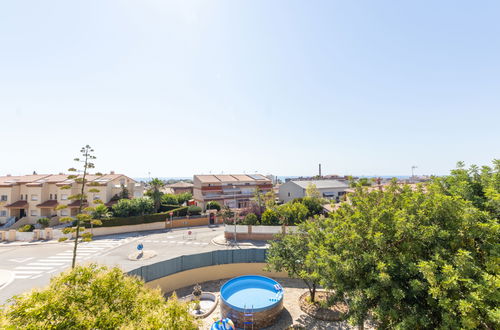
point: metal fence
(182, 263)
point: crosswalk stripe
(28, 272)
(52, 260)
(46, 263)
(33, 267)
(37, 276)
(22, 276)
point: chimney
(112, 172)
(9, 174)
(320, 170)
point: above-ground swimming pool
(251, 300)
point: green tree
(251, 219)
(312, 191)
(155, 193)
(183, 198)
(80, 181)
(290, 253)
(169, 199)
(213, 205)
(314, 205)
(96, 297)
(98, 213)
(270, 217)
(124, 193)
(194, 210)
(413, 258)
(292, 213)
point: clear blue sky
(182, 87)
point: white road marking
(21, 276)
(52, 271)
(46, 263)
(28, 271)
(37, 276)
(21, 260)
(34, 267)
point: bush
(194, 210)
(44, 222)
(26, 228)
(147, 218)
(270, 218)
(184, 197)
(213, 205)
(133, 207)
(96, 297)
(250, 219)
(169, 199)
(293, 213)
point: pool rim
(254, 310)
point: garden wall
(256, 233)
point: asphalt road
(34, 265)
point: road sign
(140, 246)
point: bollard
(12, 235)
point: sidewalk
(30, 243)
(221, 241)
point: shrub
(184, 197)
(147, 218)
(293, 213)
(96, 297)
(270, 218)
(44, 222)
(26, 228)
(213, 205)
(194, 210)
(133, 207)
(169, 199)
(250, 219)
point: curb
(215, 242)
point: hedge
(139, 219)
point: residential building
(233, 190)
(329, 189)
(178, 188)
(31, 197)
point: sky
(176, 88)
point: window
(64, 213)
(50, 197)
(26, 197)
(55, 196)
(34, 213)
(3, 213)
(64, 197)
(3, 198)
(122, 182)
(21, 197)
(34, 197)
(288, 194)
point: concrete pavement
(33, 265)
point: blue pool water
(251, 291)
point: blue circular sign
(140, 246)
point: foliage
(361, 182)
(194, 210)
(292, 213)
(139, 219)
(314, 205)
(26, 228)
(183, 198)
(155, 193)
(251, 219)
(213, 205)
(44, 222)
(270, 217)
(96, 297)
(227, 214)
(481, 186)
(81, 218)
(133, 207)
(289, 253)
(414, 258)
(312, 191)
(124, 193)
(169, 199)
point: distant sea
(280, 177)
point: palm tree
(99, 213)
(155, 193)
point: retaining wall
(256, 233)
(172, 274)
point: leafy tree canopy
(95, 297)
(414, 258)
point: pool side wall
(262, 319)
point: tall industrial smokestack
(320, 170)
